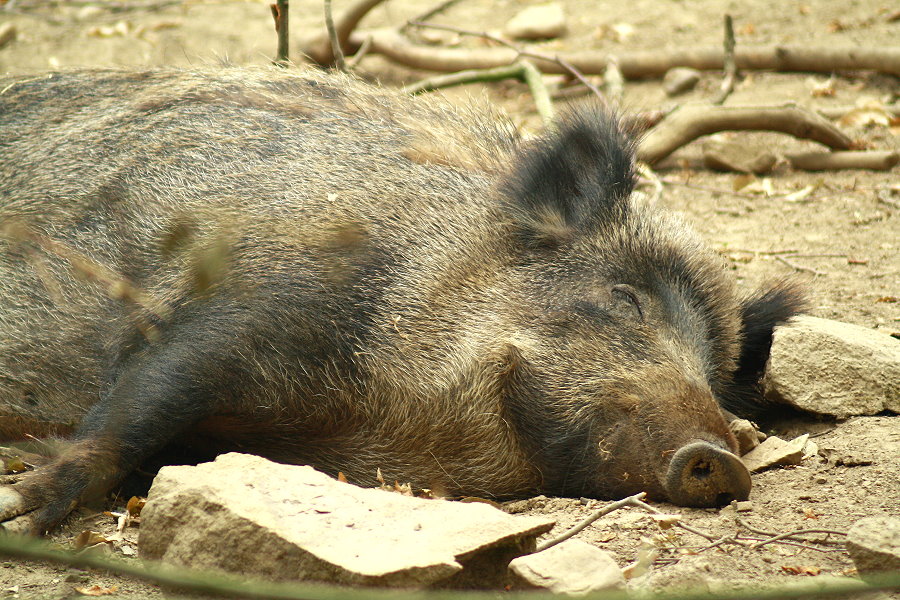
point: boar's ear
(571, 179)
(760, 313)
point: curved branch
(690, 122)
(319, 48)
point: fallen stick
(690, 122)
(629, 501)
(875, 160)
(319, 48)
(639, 64)
(523, 70)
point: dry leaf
(135, 505)
(379, 476)
(741, 181)
(14, 464)
(801, 570)
(646, 554)
(96, 590)
(800, 194)
(868, 115)
(88, 538)
(120, 29)
(822, 89)
(749, 184)
(341, 477)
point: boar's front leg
(160, 391)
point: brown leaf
(801, 570)
(341, 477)
(135, 505)
(96, 590)
(88, 538)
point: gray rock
(248, 515)
(572, 567)
(775, 451)
(727, 155)
(748, 436)
(834, 368)
(679, 80)
(874, 544)
(537, 22)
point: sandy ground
(841, 239)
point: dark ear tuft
(573, 178)
(760, 313)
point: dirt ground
(842, 239)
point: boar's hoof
(701, 474)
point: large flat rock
(572, 567)
(248, 515)
(834, 368)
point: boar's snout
(701, 474)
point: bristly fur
(761, 312)
(572, 178)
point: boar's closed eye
(625, 296)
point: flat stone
(727, 155)
(537, 22)
(874, 544)
(833, 368)
(572, 567)
(775, 451)
(679, 80)
(248, 515)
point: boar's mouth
(701, 474)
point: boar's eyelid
(625, 291)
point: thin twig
(431, 12)
(693, 530)
(613, 82)
(336, 49)
(794, 534)
(519, 51)
(258, 589)
(775, 536)
(522, 70)
(730, 66)
(280, 14)
(796, 267)
(629, 501)
(360, 54)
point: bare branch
(629, 501)
(319, 48)
(730, 66)
(280, 14)
(642, 64)
(876, 160)
(690, 122)
(336, 50)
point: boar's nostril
(701, 470)
(701, 474)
